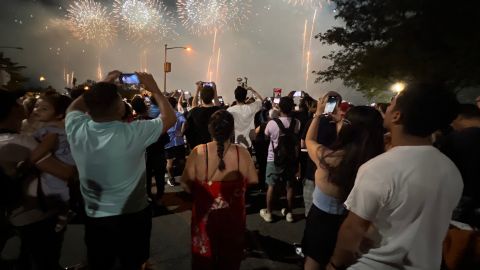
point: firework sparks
(91, 22)
(207, 16)
(144, 20)
(309, 50)
(307, 3)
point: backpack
(287, 152)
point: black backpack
(287, 152)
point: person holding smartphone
(360, 138)
(199, 115)
(110, 157)
(244, 115)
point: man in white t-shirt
(244, 115)
(402, 201)
(110, 157)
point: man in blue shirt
(110, 157)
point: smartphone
(331, 104)
(220, 99)
(298, 94)
(209, 84)
(276, 100)
(129, 78)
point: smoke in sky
(267, 49)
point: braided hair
(221, 126)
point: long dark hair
(361, 139)
(221, 127)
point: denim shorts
(274, 175)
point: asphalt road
(269, 245)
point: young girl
(50, 109)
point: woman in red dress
(217, 174)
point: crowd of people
(382, 185)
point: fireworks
(207, 16)
(144, 20)
(91, 22)
(309, 3)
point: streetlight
(167, 66)
(398, 87)
(42, 79)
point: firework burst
(207, 16)
(307, 3)
(144, 20)
(91, 22)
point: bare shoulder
(243, 152)
(332, 158)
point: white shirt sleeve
(256, 105)
(368, 195)
(148, 131)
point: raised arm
(180, 102)
(166, 111)
(77, 105)
(216, 102)
(255, 93)
(197, 93)
(313, 147)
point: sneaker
(288, 216)
(266, 215)
(171, 182)
(298, 250)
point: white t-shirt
(110, 158)
(20, 147)
(408, 193)
(244, 121)
(273, 131)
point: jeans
(125, 238)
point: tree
(384, 41)
(16, 78)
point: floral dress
(218, 222)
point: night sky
(267, 49)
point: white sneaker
(288, 216)
(266, 215)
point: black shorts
(320, 235)
(176, 152)
(125, 238)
